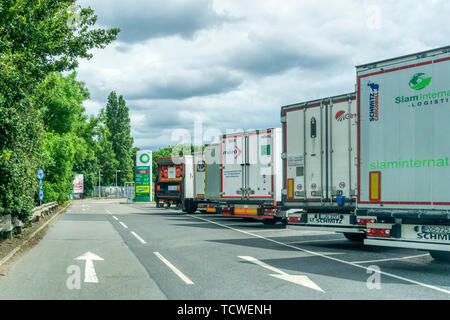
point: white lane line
(324, 240)
(108, 212)
(328, 257)
(173, 268)
(391, 259)
(269, 230)
(137, 237)
(115, 218)
(123, 224)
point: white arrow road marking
(89, 271)
(173, 268)
(115, 218)
(297, 279)
(318, 254)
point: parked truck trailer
(251, 175)
(175, 183)
(320, 165)
(207, 178)
(404, 151)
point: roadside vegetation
(43, 124)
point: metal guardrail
(8, 223)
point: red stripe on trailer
(441, 60)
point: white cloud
(233, 64)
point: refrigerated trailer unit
(251, 175)
(207, 178)
(319, 165)
(175, 183)
(404, 150)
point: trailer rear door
(404, 132)
(259, 152)
(233, 166)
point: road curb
(17, 249)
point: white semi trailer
(404, 151)
(320, 165)
(251, 175)
(207, 178)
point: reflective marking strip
(375, 186)
(247, 211)
(291, 188)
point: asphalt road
(141, 252)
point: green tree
(68, 142)
(35, 40)
(118, 123)
(105, 152)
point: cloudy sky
(225, 65)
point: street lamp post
(116, 176)
(99, 185)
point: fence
(8, 223)
(114, 192)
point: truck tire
(184, 207)
(355, 237)
(442, 256)
(192, 208)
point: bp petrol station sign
(143, 176)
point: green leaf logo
(419, 81)
(144, 158)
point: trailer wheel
(192, 208)
(184, 207)
(355, 237)
(442, 256)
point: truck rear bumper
(330, 228)
(248, 216)
(407, 244)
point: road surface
(102, 249)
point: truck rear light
(158, 187)
(363, 222)
(270, 210)
(380, 233)
(294, 220)
(178, 187)
(225, 209)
